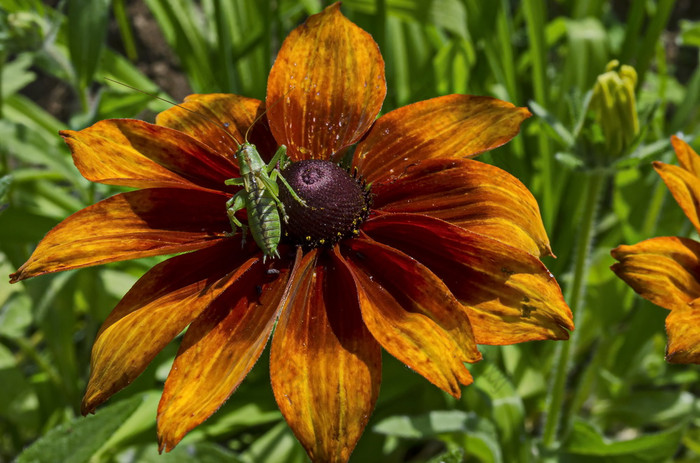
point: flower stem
(594, 187)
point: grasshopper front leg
(233, 205)
(280, 158)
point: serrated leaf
(78, 440)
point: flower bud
(614, 106)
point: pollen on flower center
(336, 203)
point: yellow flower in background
(666, 270)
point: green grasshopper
(260, 193)
(260, 197)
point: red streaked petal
(326, 87)
(137, 154)
(451, 126)
(412, 314)
(325, 366)
(687, 157)
(509, 295)
(221, 121)
(683, 329)
(158, 307)
(685, 188)
(218, 350)
(479, 197)
(663, 270)
(130, 225)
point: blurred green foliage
(621, 402)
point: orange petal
(479, 197)
(137, 154)
(687, 157)
(685, 188)
(683, 328)
(412, 314)
(326, 86)
(451, 126)
(663, 270)
(130, 225)
(325, 366)
(158, 307)
(509, 295)
(218, 351)
(221, 121)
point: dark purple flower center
(336, 203)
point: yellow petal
(137, 154)
(683, 329)
(326, 87)
(451, 126)
(218, 351)
(159, 306)
(130, 225)
(663, 270)
(325, 366)
(412, 314)
(221, 121)
(687, 157)
(685, 188)
(479, 197)
(508, 294)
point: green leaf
(586, 440)
(199, 452)
(16, 74)
(507, 410)
(474, 434)
(78, 440)
(555, 128)
(642, 408)
(570, 160)
(452, 456)
(690, 33)
(449, 14)
(277, 444)
(15, 313)
(87, 30)
(427, 425)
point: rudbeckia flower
(666, 270)
(415, 248)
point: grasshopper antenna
(257, 119)
(204, 116)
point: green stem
(595, 183)
(3, 56)
(654, 210)
(535, 18)
(122, 19)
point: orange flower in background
(447, 257)
(666, 270)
